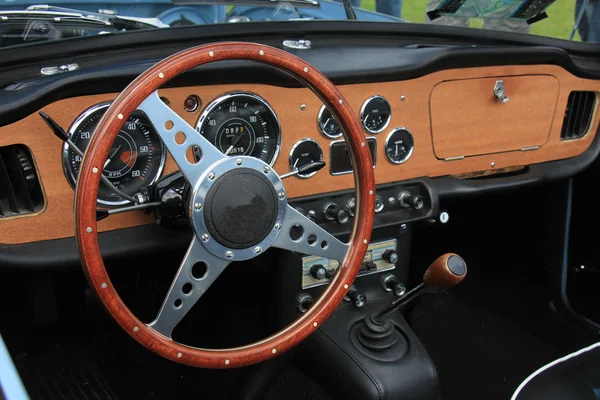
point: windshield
(23, 21)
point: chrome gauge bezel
(362, 114)
(387, 139)
(319, 115)
(72, 179)
(298, 143)
(232, 95)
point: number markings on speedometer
(242, 124)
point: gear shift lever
(378, 332)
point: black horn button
(241, 208)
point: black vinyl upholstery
(575, 376)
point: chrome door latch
(301, 44)
(499, 91)
(59, 69)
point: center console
(334, 355)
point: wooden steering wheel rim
(97, 152)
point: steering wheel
(232, 182)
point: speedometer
(136, 158)
(242, 124)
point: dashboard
(464, 122)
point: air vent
(20, 190)
(578, 116)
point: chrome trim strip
(530, 148)
(454, 158)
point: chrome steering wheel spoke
(198, 270)
(302, 235)
(170, 126)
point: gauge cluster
(375, 116)
(237, 123)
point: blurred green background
(561, 17)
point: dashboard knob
(390, 256)
(357, 299)
(310, 215)
(390, 284)
(330, 211)
(318, 272)
(342, 216)
(416, 202)
(351, 206)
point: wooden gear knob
(445, 272)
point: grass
(561, 17)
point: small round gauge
(399, 145)
(136, 158)
(375, 114)
(305, 152)
(242, 124)
(327, 124)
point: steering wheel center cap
(238, 208)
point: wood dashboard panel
(410, 102)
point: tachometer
(136, 158)
(242, 124)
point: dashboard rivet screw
(135, 329)
(266, 169)
(211, 176)
(315, 324)
(305, 69)
(104, 285)
(229, 254)
(392, 200)
(257, 249)
(210, 53)
(205, 237)
(402, 98)
(493, 164)
(362, 144)
(161, 75)
(262, 53)
(340, 101)
(346, 286)
(277, 226)
(179, 355)
(365, 241)
(226, 362)
(198, 206)
(371, 192)
(95, 170)
(303, 107)
(120, 116)
(274, 351)
(238, 161)
(88, 229)
(281, 195)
